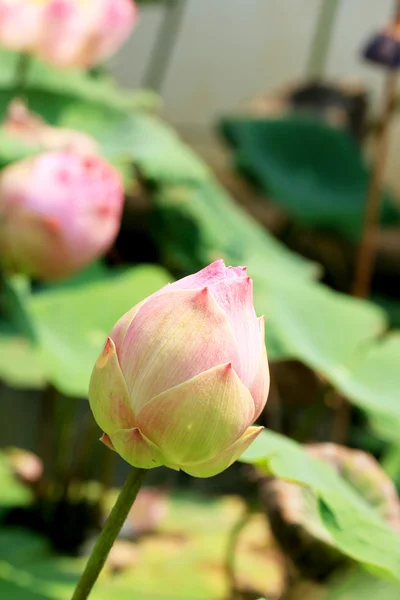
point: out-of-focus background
(224, 53)
(261, 132)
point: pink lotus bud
(33, 131)
(184, 374)
(58, 212)
(20, 24)
(67, 33)
(27, 466)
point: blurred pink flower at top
(20, 24)
(59, 211)
(32, 130)
(67, 33)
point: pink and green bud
(67, 33)
(59, 211)
(184, 374)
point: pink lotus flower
(67, 33)
(58, 212)
(184, 374)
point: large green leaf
(72, 83)
(73, 322)
(314, 171)
(353, 527)
(20, 365)
(318, 326)
(358, 584)
(151, 144)
(198, 224)
(372, 378)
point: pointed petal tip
(226, 458)
(236, 271)
(108, 351)
(106, 440)
(52, 224)
(202, 297)
(137, 450)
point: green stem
(109, 533)
(21, 73)
(46, 442)
(165, 44)
(231, 551)
(322, 39)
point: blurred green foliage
(352, 526)
(315, 171)
(53, 334)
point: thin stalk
(305, 430)
(341, 421)
(231, 552)
(368, 245)
(109, 534)
(64, 426)
(367, 250)
(321, 42)
(165, 44)
(21, 73)
(46, 442)
(83, 451)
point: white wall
(230, 50)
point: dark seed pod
(384, 48)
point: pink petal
(260, 387)
(119, 330)
(215, 272)
(235, 297)
(136, 449)
(196, 420)
(174, 337)
(226, 458)
(105, 439)
(108, 395)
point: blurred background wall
(228, 51)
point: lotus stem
(109, 534)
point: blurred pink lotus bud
(20, 24)
(33, 131)
(58, 212)
(184, 374)
(26, 465)
(67, 33)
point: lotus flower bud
(58, 212)
(184, 374)
(33, 131)
(20, 24)
(66, 33)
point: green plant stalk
(231, 551)
(367, 252)
(321, 42)
(21, 73)
(109, 533)
(165, 44)
(46, 436)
